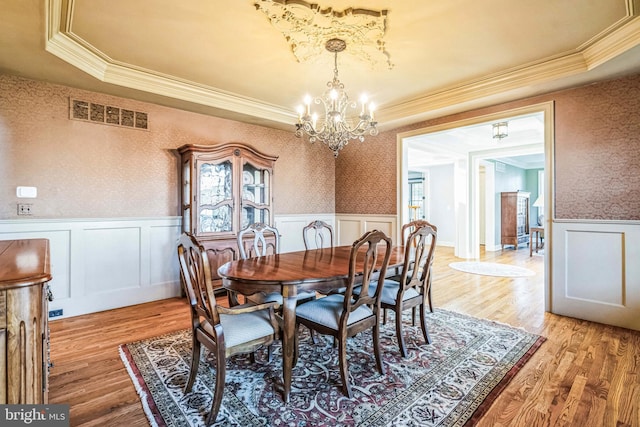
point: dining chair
(345, 315)
(264, 240)
(407, 229)
(315, 233)
(412, 290)
(224, 331)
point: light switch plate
(27, 192)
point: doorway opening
(467, 168)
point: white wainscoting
(100, 264)
(290, 228)
(350, 227)
(347, 228)
(596, 272)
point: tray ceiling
(227, 58)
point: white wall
(442, 204)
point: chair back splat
(266, 240)
(195, 273)
(363, 276)
(315, 233)
(418, 260)
(413, 225)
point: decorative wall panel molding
(290, 228)
(350, 227)
(307, 27)
(101, 264)
(595, 273)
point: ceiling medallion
(307, 27)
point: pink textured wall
(598, 151)
(90, 170)
(597, 155)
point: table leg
(288, 330)
(531, 239)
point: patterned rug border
(148, 404)
(482, 409)
(156, 420)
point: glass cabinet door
(256, 196)
(215, 187)
(186, 196)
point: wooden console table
(24, 334)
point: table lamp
(539, 203)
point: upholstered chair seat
(276, 297)
(244, 327)
(390, 292)
(327, 311)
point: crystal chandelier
(336, 128)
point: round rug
(492, 269)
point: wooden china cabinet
(514, 218)
(224, 189)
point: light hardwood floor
(585, 374)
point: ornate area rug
(492, 269)
(451, 382)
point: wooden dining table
(290, 273)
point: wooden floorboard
(585, 374)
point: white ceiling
(525, 135)
(224, 57)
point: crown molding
(489, 86)
(77, 52)
(615, 40)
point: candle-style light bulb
(334, 96)
(363, 100)
(372, 107)
(307, 102)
